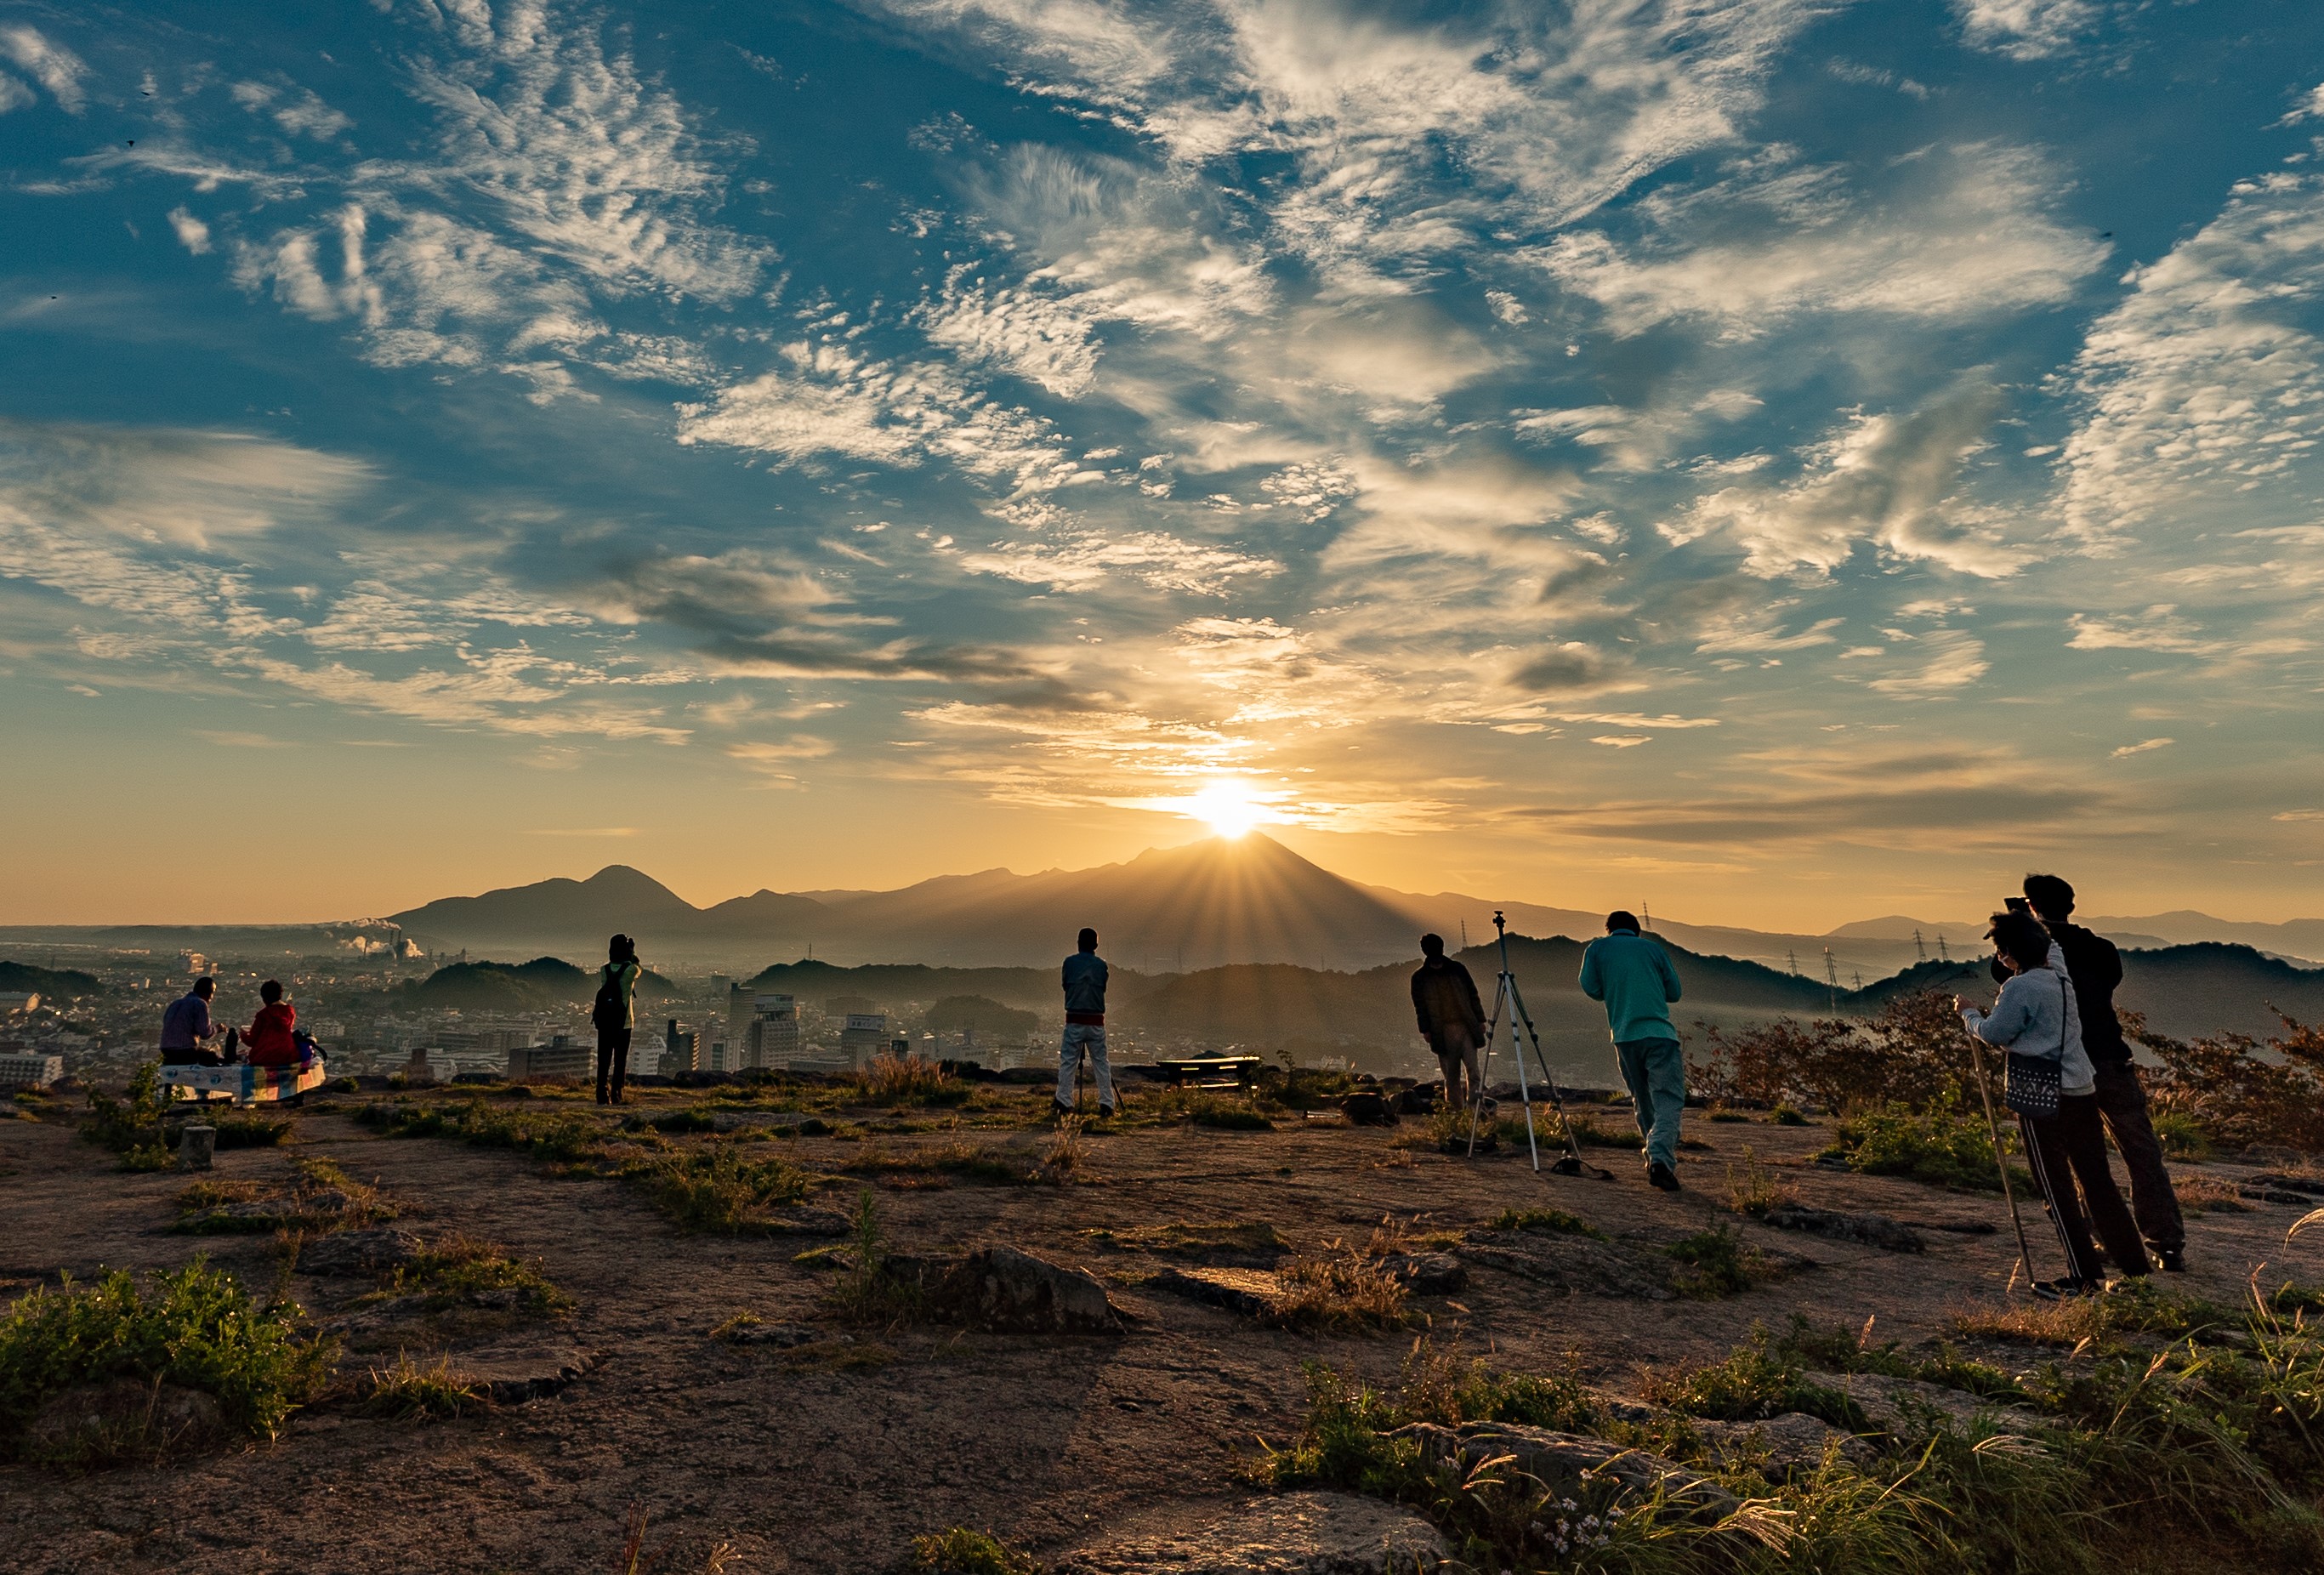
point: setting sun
(1230, 808)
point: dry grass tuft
(2199, 1194)
(1337, 1287)
(411, 1391)
(906, 1079)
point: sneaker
(2062, 1290)
(1662, 1177)
(1060, 1109)
(2173, 1259)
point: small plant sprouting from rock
(962, 1552)
(869, 1295)
(1757, 1188)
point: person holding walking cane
(2054, 1092)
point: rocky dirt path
(833, 1459)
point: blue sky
(1777, 461)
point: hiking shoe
(1060, 1109)
(2173, 1259)
(2062, 1290)
(1105, 1112)
(1662, 1177)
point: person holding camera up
(2092, 963)
(2052, 1089)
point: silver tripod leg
(1485, 1062)
(1516, 1054)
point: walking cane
(1993, 1128)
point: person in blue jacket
(1633, 975)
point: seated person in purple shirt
(186, 1025)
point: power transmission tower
(1919, 945)
(1465, 935)
(1792, 958)
(1650, 918)
(1831, 976)
(1941, 953)
(1859, 986)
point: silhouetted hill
(579, 915)
(66, 982)
(2184, 991)
(543, 984)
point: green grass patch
(714, 1189)
(1551, 1220)
(866, 1294)
(546, 1134)
(1717, 1263)
(1943, 1146)
(192, 1328)
(990, 1166)
(461, 1271)
(962, 1552)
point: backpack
(609, 1012)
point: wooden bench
(1211, 1071)
(243, 1083)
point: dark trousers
(2122, 1101)
(614, 1062)
(2068, 1148)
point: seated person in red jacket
(269, 1042)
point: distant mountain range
(1205, 905)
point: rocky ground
(803, 1443)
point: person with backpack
(1452, 1019)
(2094, 968)
(613, 1013)
(2052, 1087)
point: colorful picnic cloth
(244, 1084)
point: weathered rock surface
(1790, 1443)
(1430, 1274)
(781, 1336)
(1906, 1407)
(1010, 1292)
(1564, 1461)
(1576, 1265)
(353, 1254)
(1247, 1291)
(1298, 1533)
(511, 1375)
(808, 1221)
(1867, 1230)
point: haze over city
(1776, 464)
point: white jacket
(2037, 1015)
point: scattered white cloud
(192, 233)
(2142, 748)
(49, 63)
(1949, 661)
(2025, 29)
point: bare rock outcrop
(1298, 1533)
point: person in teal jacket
(1634, 977)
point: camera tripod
(1505, 994)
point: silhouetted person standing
(2095, 967)
(1085, 977)
(1451, 1018)
(614, 1014)
(186, 1028)
(1633, 975)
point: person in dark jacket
(1083, 977)
(186, 1028)
(615, 1017)
(2095, 966)
(1451, 1018)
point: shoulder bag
(2033, 1081)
